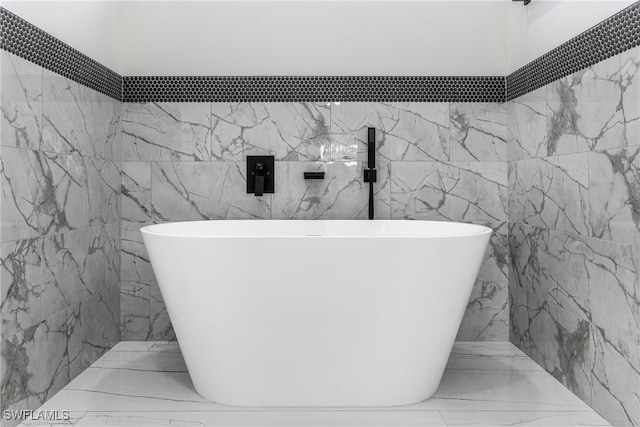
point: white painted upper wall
(92, 27)
(545, 24)
(314, 37)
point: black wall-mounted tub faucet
(370, 174)
(260, 175)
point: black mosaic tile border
(606, 39)
(313, 89)
(612, 36)
(31, 43)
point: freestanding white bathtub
(316, 313)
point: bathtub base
(329, 313)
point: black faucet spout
(259, 189)
(259, 186)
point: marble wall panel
(21, 285)
(77, 120)
(583, 110)
(342, 194)
(163, 181)
(527, 126)
(614, 194)
(166, 132)
(24, 199)
(160, 324)
(529, 251)
(135, 315)
(204, 190)
(60, 252)
(288, 131)
(486, 316)
(577, 184)
(102, 184)
(404, 131)
(460, 191)
(37, 361)
(478, 132)
(616, 379)
(630, 83)
(136, 191)
(552, 193)
(20, 102)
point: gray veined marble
(562, 344)
(166, 132)
(616, 378)
(41, 193)
(135, 318)
(518, 318)
(487, 313)
(551, 192)
(630, 77)
(100, 316)
(102, 183)
(136, 191)
(584, 110)
(478, 132)
(77, 120)
(594, 275)
(573, 198)
(143, 314)
(614, 194)
(135, 261)
(46, 193)
(146, 384)
(405, 131)
(461, 191)
(288, 131)
(22, 194)
(569, 257)
(205, 190)
(611, 270)
(79, 264)
(66, 192)
(20, 102)
(527, 129)
(160, 327)
(60, 206)
(529, 249)
(342, 194)
(21, 285)
(37, 362)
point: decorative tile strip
(612, 36)
(31, 43)
(313, 89)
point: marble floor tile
(259, 418)
(132, 346)
(488, 383)
(468, 357)
(522, 418)
(463, 390)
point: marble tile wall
(574, 217)
(441, 161)
(60, 147)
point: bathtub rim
(474, 229)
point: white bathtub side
(316, 321)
